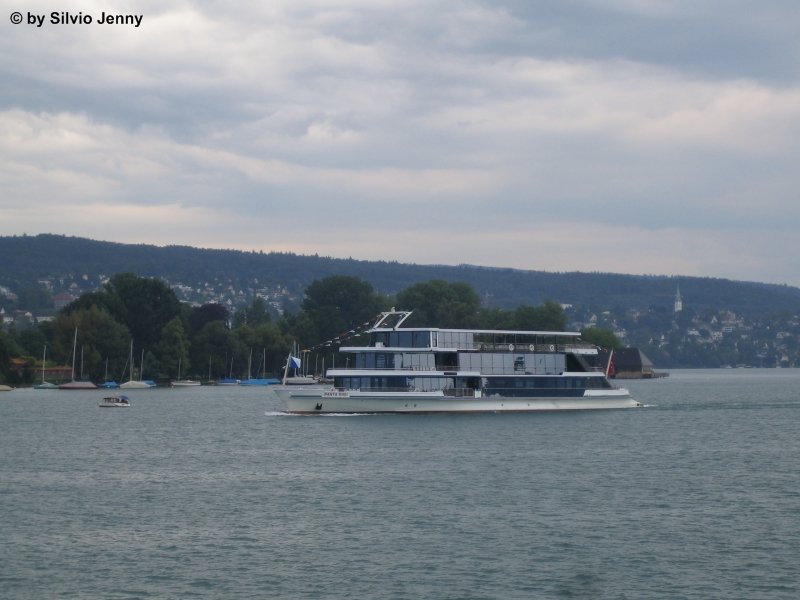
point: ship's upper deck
(383, 336)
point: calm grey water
(212, 493)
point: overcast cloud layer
(633, 136)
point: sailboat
(229, 380)
(262, 380)
(45, 385)
(183, 382)
(108, 384)
(131, 384)
(76, 385)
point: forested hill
(26, 259)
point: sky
(629, 136)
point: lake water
(212, 493)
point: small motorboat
(116, 401)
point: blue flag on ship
(295, 362)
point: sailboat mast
(74, 351)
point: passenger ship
(425, 370)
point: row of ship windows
(488, 383)
(499, 383)
(486, 362)
(466, 340)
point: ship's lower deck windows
(499, 385)
(515, 385)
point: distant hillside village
(679, 336)
(687, 337)
(58, 292)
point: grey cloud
(467, 126)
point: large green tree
(31, 340)
(439, 303)
(547, 317)
(263, 349)
(100, 338)
(200, 316)
(172, 351)
(8, 350)
(144, 305)
(338, 304)
(214, 348)
(604, 338)
(255, 314)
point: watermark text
(75, 18)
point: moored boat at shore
(262, 381)
(184, 383)
(140, 384)
(45, 385)
(76, 384)
(179, 382)
(420, 370)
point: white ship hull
(326, 400)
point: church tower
(678, 300)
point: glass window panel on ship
(421, 339)
(461, 340)
(535, 386)
(375, 360)
(396, 339)
(391, 383)
(499, 363)
(418, 361)
(401, 339)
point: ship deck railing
(512, 346)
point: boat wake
(279, 413)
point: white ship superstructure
(457, 370)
